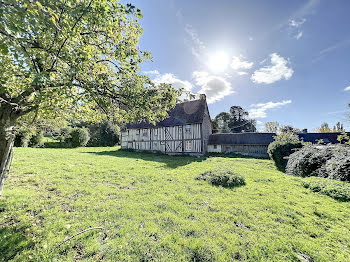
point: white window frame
(189, 145)
(188, 128)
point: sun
(218, 61)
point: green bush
(339, 168)
(37, 140)
(308, 161)
(335, 189)
(22, 138)
(222, 178)
(65, 134)
(104, 134)
(280, 150)
(324, 161)
(77, 137)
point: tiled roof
(267, 138)
(190, 112)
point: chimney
(202, 96)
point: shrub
(287, 137)
(37, 140)
(308, 161)
(65, 135)
(22, 138)
(335, 189)
(77, 137)
(324, 161)
(344, 138)
(280, 150)
(338, 167)
(105, 134)
(222, 178)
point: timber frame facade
(185, 131)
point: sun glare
(218, 62)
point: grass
(337, 189)
(152, 208)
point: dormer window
(188, 128)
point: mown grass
(337, 189)
(152, 208)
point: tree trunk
(7, 136)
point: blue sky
(285, 61)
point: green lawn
(151, 208)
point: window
(215, 146)
(155, 131)
(138, 132)
(188, 128)
(144, 132)
(188, 145)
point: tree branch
(65, 40)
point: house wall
(253, 150)
(212, 149)
(169, 140)
(206, 129)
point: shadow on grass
(171, 161)
(13, 238)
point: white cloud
(239, 63)
(299, 35)
(152, 72)
(259, 110)
(274, 72)
(337, 45)
(196, 45)
(215, 87)
(177, 83)
(251, 38)
(297, 23)
(347, 88)
(241, 73)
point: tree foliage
(338, 127)
(271, 127)
(324, 128)
(289, 129)
(234, 122)
(77, 59)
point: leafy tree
(291, 129)
(221, 122)
(271, 127)
(235, 122)
(324, 128)
(239, 122)
(74, 59)
(338, 127)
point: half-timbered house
(185, 131)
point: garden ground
(150, 207)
